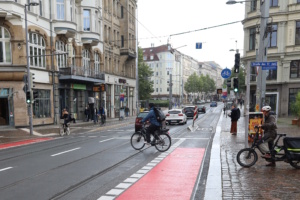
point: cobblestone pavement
(258, 181)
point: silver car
(176, 116)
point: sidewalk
(228, 180)
(10, 134)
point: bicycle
(288, 152)
(63, 129)
(162, 142)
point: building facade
(66, 55)
(283, 47)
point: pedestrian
(102, 114)
(95, 113)
(241, 103)
(234, 115)
(127, 111)
(87, 113)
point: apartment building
(167, 62)
(283, 47)
(71, 31)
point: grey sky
(161, 18)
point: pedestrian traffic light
(237, 63)
(236, 84)
(35, 95)
(28, 97)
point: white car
(176, 116)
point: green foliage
(160, 103)
(145, 72)
(196, 84)
(295, 107)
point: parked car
(201, 108)
(189, 111)
(207, 100)
(138, 120)
(213, 104)
(176, 116)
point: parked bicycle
(63, 129)
(289, 152)
(162, 142)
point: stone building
(283, 47)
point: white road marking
(7, 168)
(66, 151)
(106, 140)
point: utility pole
(262, 54)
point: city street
(90, 164)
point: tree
(145, 83)
(191, 85)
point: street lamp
(33, 3)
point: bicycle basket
(292, 147)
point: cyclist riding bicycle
(270, 133)
(155, 125)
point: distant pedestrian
(87, 113)
(95, 114)
(241, 103)
(127, 111)
(234, 115)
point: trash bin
(255, 119)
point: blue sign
(199, 45)
(226, 73)
(265, 65)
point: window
(168, 73)
(122, 12)
(73, 58)
(86, 20)
(253, 5)
(298, 1)
(273, 37)
(71, 9)
(61, 49)
(41, 8)
(42, 104)
(151, 57)
(160, 90)
(252, 36)
(37, 49)
(271, 74)
(273, 3)
(97, 63)
(5, 52)
(297, 39)
(96, 21)
(145, 58)
(60, 9)
(156, 73)
(122, 40)
(295, 69)
(86, 62)
(167, 89)
(156, 89)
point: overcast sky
(158, 19)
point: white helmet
(266, 108)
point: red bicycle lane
(173, 178)
(24, 142)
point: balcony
(80, 74)
(128, 52)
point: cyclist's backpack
(160, 116)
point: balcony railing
(81, 71)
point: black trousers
(150, 130)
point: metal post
(137, 67)
(247, 101)
(170, 92)
(28, 72)
(262, 54)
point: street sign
(265, 65)
(226, 73)
(199, 45)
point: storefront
(6, 107)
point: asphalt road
(89, 163)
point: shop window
(5, 48)
(42, 104)
(37, 50)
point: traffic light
(28, 97)
(228, 82)
(237, 63)
(31, 78)
(35, 95)
(236, 84)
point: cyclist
(270, 133)
(155, 125)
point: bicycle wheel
(61, 130)
(295, 164)
(137, 141)
(246, 157)
(163, 143)
(68, 131)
